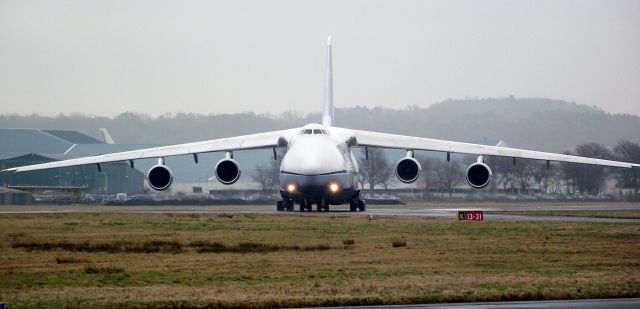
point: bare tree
(504, 175)
(450, 174)
(264, 176)
(587, 178)
(542, 175)
(267, 174)
(376, 170)
(627, 151)
(428, 174)
(524, 171)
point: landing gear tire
(353, 206)
(306, 206)
(362, 206)
(280, 206)
(322, 207)
(288, 206)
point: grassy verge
(156, 260)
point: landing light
(333, 187)
(291, 187)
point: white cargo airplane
(318, 165)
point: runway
(493, 212)
(615, 303)
(451, 212)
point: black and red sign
(470, 215)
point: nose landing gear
(323, 206)
(287, 205)
(357, 205)
(306, 206)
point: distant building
(14, 197)
(32, 146)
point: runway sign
(470, 215)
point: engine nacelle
(478, 175)
(408, 169)
(227, 171)
(159, 177)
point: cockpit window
(313, 131)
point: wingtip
(9, 170)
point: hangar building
(32, 146)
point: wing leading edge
(383, 140)
(252, 141)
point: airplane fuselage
(319, 167)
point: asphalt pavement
(613, 303)
(377, 210)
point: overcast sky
(108, 57)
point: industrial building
(32, 146)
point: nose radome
(320, 164)
(312, 164)
(313, 159)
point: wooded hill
(535, 123)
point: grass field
(283, 260)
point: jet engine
(227, 171)
(159, 177)
(408, 169)
(478, 175)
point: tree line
(536, 123)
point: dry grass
(348, 260)
(348, 242)
(91, 269)
(110, 247)
(70, 260)
(254, 247)
(399, 243)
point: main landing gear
(357, 205)
(287, 205)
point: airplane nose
(312, 165)
(313, 159)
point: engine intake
(408, 169)
(478, 175)
(227, 171)
(159, 177)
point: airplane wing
(383, 140)
(252, 141)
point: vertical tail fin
(106, 136)
(327, 112)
